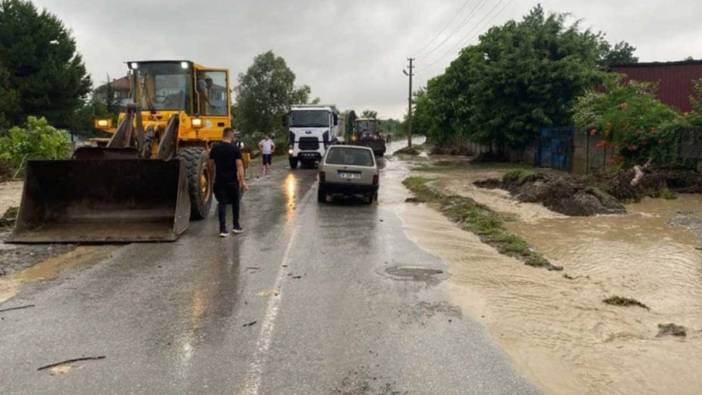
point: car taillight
(322, 176)
(375, 179)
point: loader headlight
(197, 123)
(290, 151)
(184, 65)
(134, 65)
(102, 123)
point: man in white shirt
(267, 148)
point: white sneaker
(223, 234)
(237, 231)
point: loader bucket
(102, 201)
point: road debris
(17, 308)
(624, 302)
(69, 361)
(268, 292)
(252, 323)
(671, 330)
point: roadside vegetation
(478, 219)
(36, 140)
(263, 96)
(521, 76)
(44, 87)
(545, 71)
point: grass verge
(480, 220)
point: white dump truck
(312, 129)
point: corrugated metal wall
(675, 79)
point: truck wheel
(321, 195)
(293, 163)
(368, 198)
(199, 181)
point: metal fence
(555, 148)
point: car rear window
(350, 157)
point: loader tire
(200, 181)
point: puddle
(556, 329)
(51, 268)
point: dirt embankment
(580, 196)
(561, 193)
(655, 184)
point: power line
(463, 24)
(455, 17)
(465, 39)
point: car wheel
(368, 198)
(321, 195)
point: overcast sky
(350, 52)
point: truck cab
(312, 129)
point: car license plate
(349, 176)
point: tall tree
(621, 53)
(40, 69)
(350, 121)
(369, 114)
(265, 93)
(109, 95)
(521, 76)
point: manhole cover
(416, 273)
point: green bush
(38, 140)
(631, 120)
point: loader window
(163, 86)
(213, 93)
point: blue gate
(555, 148)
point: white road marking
(252, 382)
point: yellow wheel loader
(152, 176)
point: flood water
(557, 330)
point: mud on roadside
(556, 327)
(13, 257)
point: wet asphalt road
(311, 299)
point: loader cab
(162, 86)
(200, 95)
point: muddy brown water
(557, 331)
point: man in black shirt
(225, 157)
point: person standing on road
(225, 158)
(267, 147)
(245, 153)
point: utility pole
(409, 74)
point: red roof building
(674, 79)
